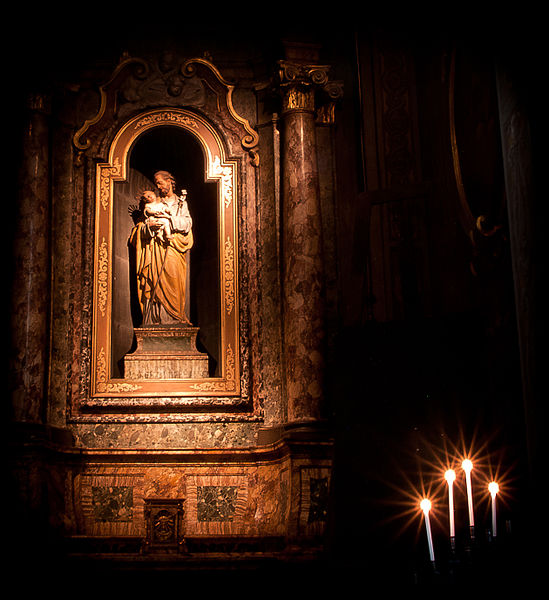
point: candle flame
(450, 475)
(493, 488)
(467, 465)
(425, 505)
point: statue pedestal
(166, 353)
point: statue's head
(165, 182)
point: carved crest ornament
(124, 114)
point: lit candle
(425, 505)
(450, 477)
(467, 466)
(493, 488)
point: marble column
(301, 235)
(30, 282)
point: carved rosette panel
(218, 169)
(164, 525)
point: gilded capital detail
(299, 84)
(298, 98)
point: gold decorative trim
(167, 116)
(102, 276)
(102, 382)
(106, 173)
(227, 385)
(229, 276)
(217, 168)
(226, 174)
(297, 98)
(101, 371)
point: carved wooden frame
(218, 168)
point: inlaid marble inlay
(318, 507)
(216, 502)
(112, 503)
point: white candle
(467, 466)
(493, 488)
(450, 477)
(425, 505)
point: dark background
(441, 376)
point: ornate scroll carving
(107, 105)
(136, 82)
(102, 276)
(292, 73)
(200, 67)
(228, 263)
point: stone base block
(166, 353)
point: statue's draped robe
(162, 267)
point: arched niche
(176, 150)
(185, 144)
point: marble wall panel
(164, 435)
(217, 500)
(110, 503)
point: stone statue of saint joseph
(161, 262)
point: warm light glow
(493, 488)
(450, 475)
(425, 505)
(431, 482)
(467, 465)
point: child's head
(148, 196)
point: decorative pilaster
(30, 285)
(302, 263)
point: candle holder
(470, 553)
(472, 533)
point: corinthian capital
(299, 84)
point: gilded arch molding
(106, 390)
